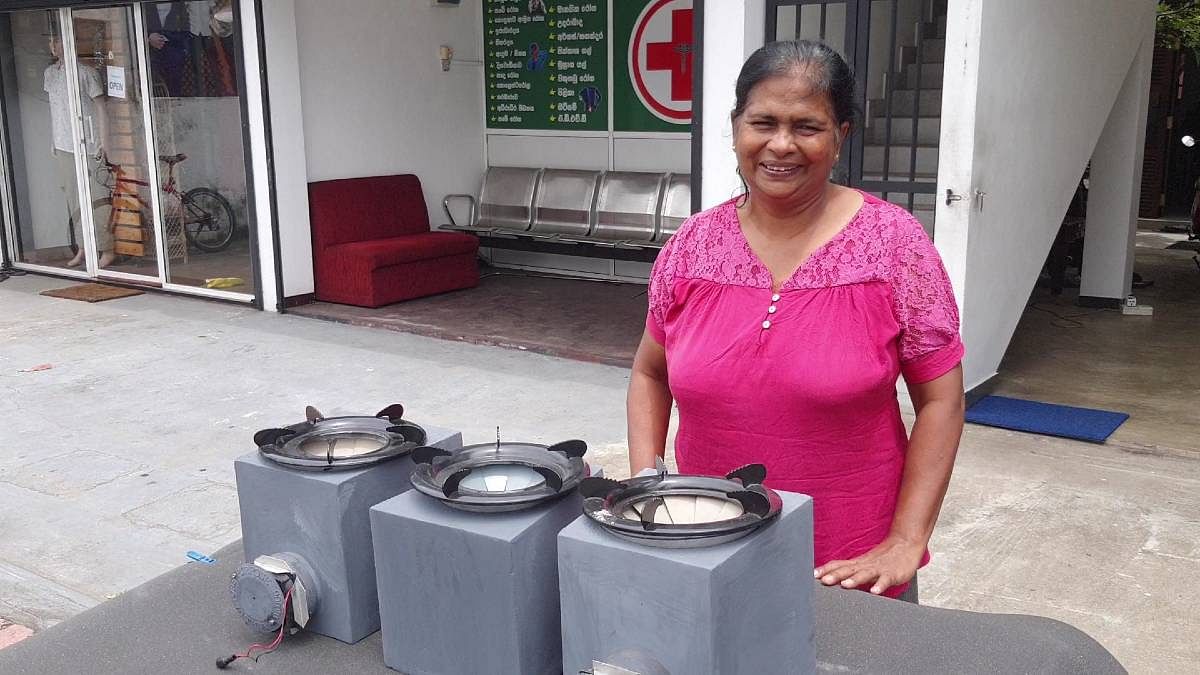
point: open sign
(116, 81)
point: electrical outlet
(1137, 310)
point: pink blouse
(803, 380)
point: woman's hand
(927, 466)
(892, 562)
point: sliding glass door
(119, 175)
(123, 144)
(76, 141)
(197, 113)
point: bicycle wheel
(208, 220)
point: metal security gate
(897, 49)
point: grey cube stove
(467, 584)
(734, 608)
(317, 522)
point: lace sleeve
(930, 345)
(660, 292)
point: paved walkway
(117, 460)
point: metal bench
(676, 206)
(627, 207)
(564, 205)
(624, 215)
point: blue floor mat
(1085, 424)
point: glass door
(41, 137)
(119, 178)
(75, 144)
(145, 131)
(193, 60)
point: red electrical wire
(265, 649)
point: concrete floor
(1147, 366)
(117, 460)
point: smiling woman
(780, 322)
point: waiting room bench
(625, 215)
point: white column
(1115, 186)
(732, 31)
(282, 37)
(282, 69)
(258, 154)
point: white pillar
(732, 31)
(258, 154)
(282, 69)
(1115, 187)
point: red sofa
(372, 245)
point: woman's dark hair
(817, 62)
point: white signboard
(116, 82)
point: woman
(780, 321)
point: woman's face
(787, 139)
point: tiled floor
(594, 321)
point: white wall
(288, 144)
(375, 98)
(557, 151)
(258, 156)
(732, 31)
(652, 154)
(1028, 87)
(629, 152)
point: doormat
(1048, 419)
(1186, 245)
(92, 292)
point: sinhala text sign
(547, 66)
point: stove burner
(502, 478)
(350, 442)
(673, 511)
(499, 476)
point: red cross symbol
(675, 56)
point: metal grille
(897, 49)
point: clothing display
(803, 378)
(54, 83)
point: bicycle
(206, 216)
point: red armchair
(372, 245)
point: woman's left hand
(894, 561)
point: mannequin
(91, 91)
